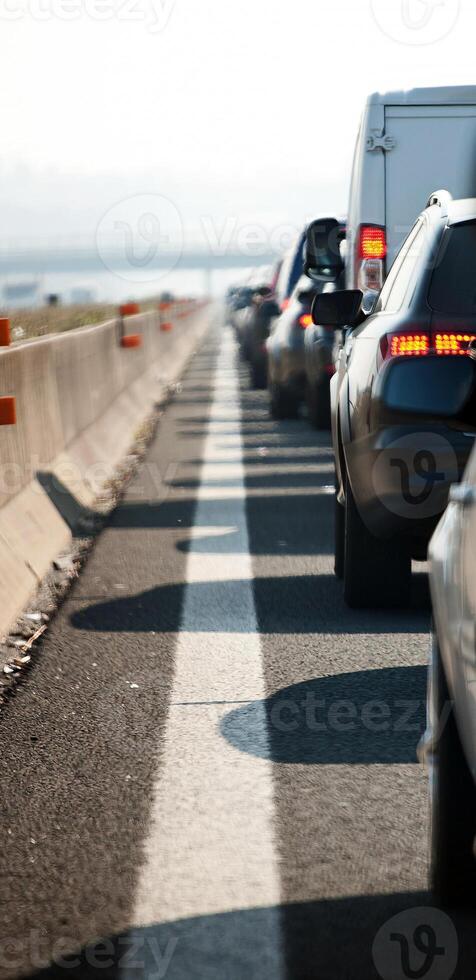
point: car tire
(319, 404)
(281, 402)
(453, 805)
(377, 573)
(258, 375)
(339, 538)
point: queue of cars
(376, 332)
(272, 318)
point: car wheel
(258, 375)
(319, 405)
(377, 573)
(282, 403)
(453, 804)
(339, 536)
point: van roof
(457, 94)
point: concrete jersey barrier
(80, 397)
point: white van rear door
(435, 148)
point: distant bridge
(38, 261)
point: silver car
(449, 744)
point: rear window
(453, 284)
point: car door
(465, 493)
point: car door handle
(463, 494)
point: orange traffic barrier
(166, 325)
(129, 309)
(8, 410)
(131, 340)
(5, 336)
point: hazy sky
(232, 109)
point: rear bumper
(318, 357)
(291, 369)
(286, 365)
(401, 476)
(258, 353)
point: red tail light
(453, 343)
(409, 345)
(372, 242)
(417, 343)
(305, 320)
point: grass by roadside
(29, 323)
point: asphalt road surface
(211, 773)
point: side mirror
(322, 257)
(339, 309)
(369, 301)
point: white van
(409, 145)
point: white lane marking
(211, 846)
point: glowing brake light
(409, 344)
(372, 242)
(305, 320)
(416, 344)
(453, 343)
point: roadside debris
(64, 563)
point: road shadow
(366, 717)
(272, 459)
(285, 481)
(264, 430)
(355, 938)
(226, 420)
(289, 533)
(297, 605)
(71, 510)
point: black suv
(403, 402)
